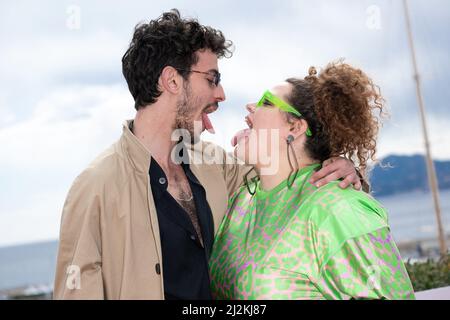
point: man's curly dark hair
(166, 41)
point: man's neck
(153, 127)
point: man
(135, 224)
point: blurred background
(63, 100)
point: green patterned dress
(306, 243)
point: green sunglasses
(281, 104)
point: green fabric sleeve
(366, 267)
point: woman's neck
(269, 179)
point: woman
(284, 238)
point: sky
(63, 98)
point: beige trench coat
(109, 242)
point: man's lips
(205, 118)
(210, 108)
(207, 123)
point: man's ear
(170, 80)
(298, 127)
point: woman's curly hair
(166, 41)
(340, 107)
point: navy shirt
(185, 260)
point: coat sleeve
(79, 263)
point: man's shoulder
(208, 149)
(212, 153)
(103, 170)
(206, 154)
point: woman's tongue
(207, 123)
(239, 135)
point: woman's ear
(170, 80)
(298, 127)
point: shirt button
(158, 268)
(192, 237)
(162, 180)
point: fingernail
(318, 185)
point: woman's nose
(251, 107)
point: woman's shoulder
(330, 205)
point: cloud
(70, 120)
(42, 156)
(408, 139)
(63, 97)
(6, 115)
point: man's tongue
(207, 123)
(239, 135)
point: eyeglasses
(269, 97)
(214, 74)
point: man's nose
(219, 93)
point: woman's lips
(240, 135)
(249, 122)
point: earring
(290, 181)
(253, 180)
(290, 139)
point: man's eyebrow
(213, 70)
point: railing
(435, 294)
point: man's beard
(185, 110)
